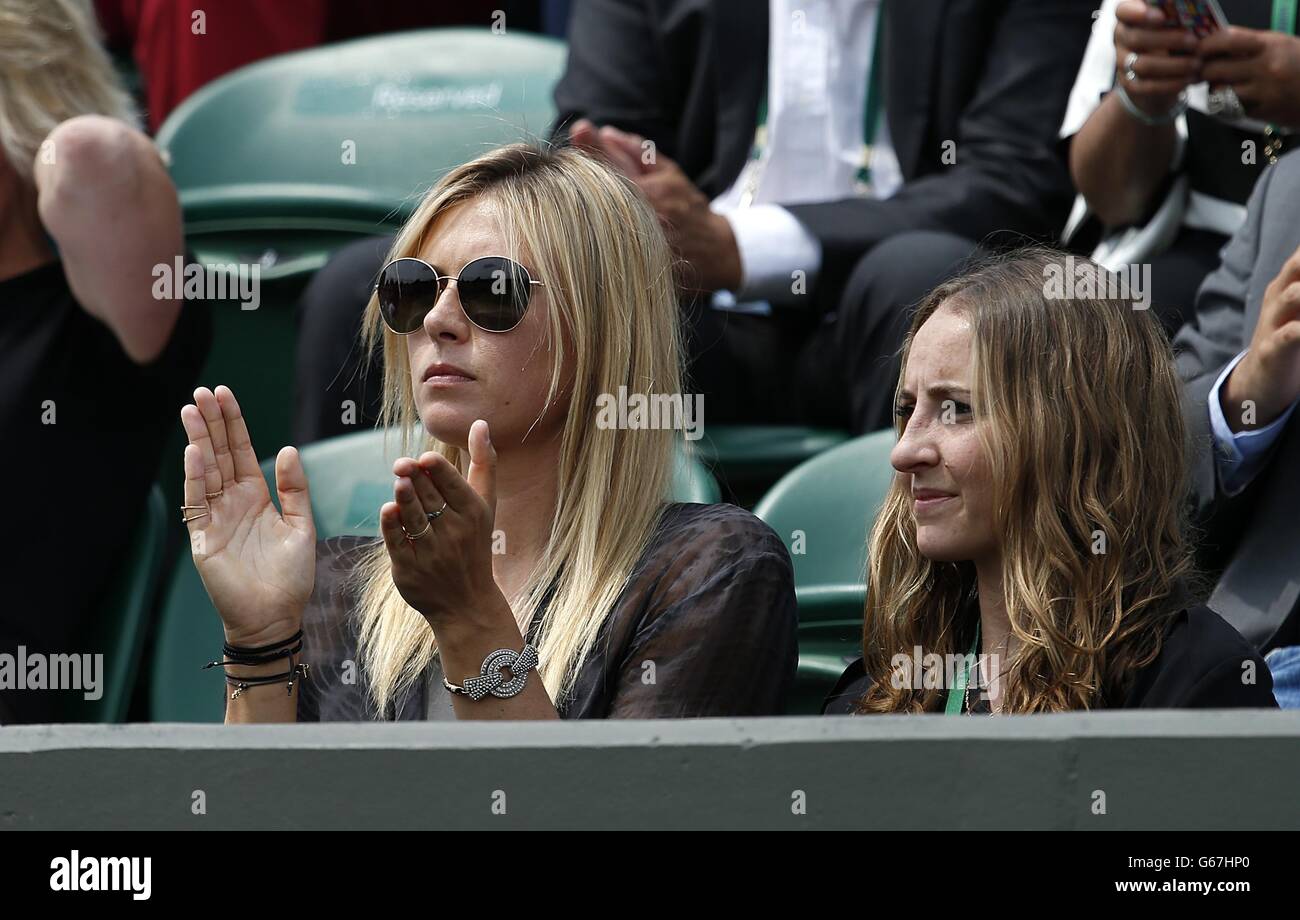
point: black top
(711, 604)
(1201, 665)
(83, 428)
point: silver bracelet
(491, 680)
(1131, 107)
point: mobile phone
(1200, 17)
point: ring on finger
(1130, 63)
(216, 494)
(430, 518)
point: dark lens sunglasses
(494, 292)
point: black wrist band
(242, 659)
(243, 683)
(260, 649)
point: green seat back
(289, 157)
(823, 511)
(350, 478)
(748, 459)
(117, 630)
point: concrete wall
(1231, 770)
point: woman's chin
(938, 547)
(449, 424)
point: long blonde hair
(52, 68)
(609, 278)
(1077, 402)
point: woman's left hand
(446, 572)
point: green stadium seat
(350, 477)
(823, 510)
(118, 629)
(289, 157)
(748, 459)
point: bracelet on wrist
(1136, 112)
(253, 656)
(490, 680)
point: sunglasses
(494, 292)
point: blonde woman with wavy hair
(1031, 554)
(530, 565)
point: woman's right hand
(258, 566)
(1161, 73)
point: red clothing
(178, 49)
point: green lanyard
(1284, 16)
(870, 114)
(957, 695)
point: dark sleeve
(851, 687)
(1213, 337)
(718, 633)
(1204, 664)
(633, 88)
(1225, 686)
(334, 690)
(1009, 173)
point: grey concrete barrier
(1233, 770)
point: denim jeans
(1284, 663)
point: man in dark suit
(819, 164)
(969, 92)
(1240, 360)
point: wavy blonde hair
(52, 68)
(1077, 407)
(610, 285)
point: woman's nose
(446, 320)
(915, 450)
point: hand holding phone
(1199, 17)
(1155, 57)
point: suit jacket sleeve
(634, 89)
(1212, 338)
(1009, 173)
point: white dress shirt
(819, 59)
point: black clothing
(711, 604)
(1201, 665)
(84, 429)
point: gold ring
(201, 509)
(216, 494)
(415, 536)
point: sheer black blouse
(706, 626)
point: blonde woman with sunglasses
(530, 566)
